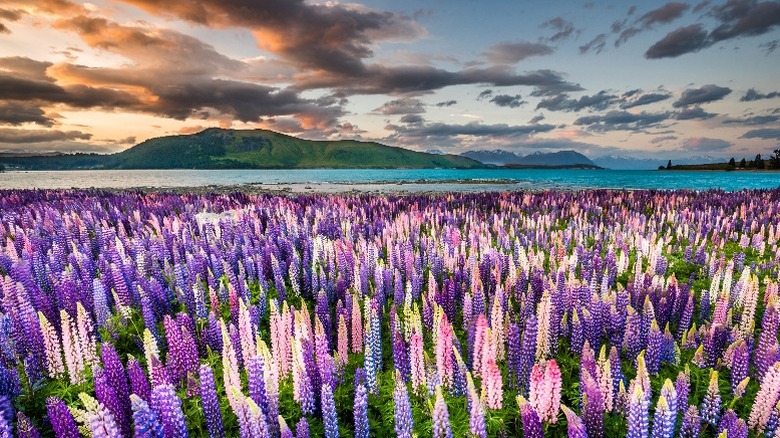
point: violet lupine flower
(532, 426)
(655, 341)
(61, 419)
(710, 405)
(210, 402)
(302, 429)
(592, 407)
(284, 429)
(477, 425)
(361, 406)
(664, 419)
(24, 427)
(740, 363)
(638, 423)
(168, 406)
(732, 425)
(99, 419)
(683, 387)
(106, 395)
(691, 424)
(441, 417)
(147, 423)
(329, 418)
(403, 410)
(576, 428)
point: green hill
(248, 149)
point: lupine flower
(576, 428)
(441, 417)
(61, 419)
(99, 419)
(302, 429)
(492, 386)
(592, 407)
(638, 423)
(532, 426)
(664, 419)
(147, 424)
(710, 405)
(477, 425)
(767, 397)
(210, 402)
(691, 424)
(25, 428)
(361, 407)
(329, 417)
(403, 411)
(168, 406)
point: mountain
(560, 159)
(247, 149)
(622, 162)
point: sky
(642, 79)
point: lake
(329, 180)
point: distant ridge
(560, 159)
(216, 148)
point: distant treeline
(759, 163)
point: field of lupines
(587, 314)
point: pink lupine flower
(444, 365)
(417, 361)
(492, 385)
(767, 397)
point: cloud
(412, 119)
(663, 15)
(621, 121)
(754, 120)
(505, 100)
(704, 94)
(663, 139)
(678, 42)
(484, 94)
(599, 101)
(693, 113)
(636, 99)
(704, 144)
(511, 53)
(474, 129)
(330, 37)
(752, 95)
(18, 113)
(763, 133)
(23, 136)
(401, 106)
(596, 45)
(736, 18)
(9, 15)
(563, 29)
(446, 103)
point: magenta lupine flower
(168, 406)
(210, 402)
(532, 426)
(441, 417)
(403, 410)
(329, 418)
(61, 419)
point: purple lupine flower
(527, 353)
(403, 410)
(329, 417)
(740, 363)
(441, 417)
(302, 428)
(361, 407)
(168, 406)
(655, 342)
(638, 423)
(532, 426)
(256, 381)
(24, 427)
(576, 428)
(117, 378)
(513, 353)
(682, 387)
(734, 426)
(691, 424)
(210, 402)
(710, 405)
(61, 419)
(106, 394)
(592, 407)
(664, 419)
(147, 423)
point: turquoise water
(404, 179)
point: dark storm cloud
(596, 45)
(621, 121)
(505, 100)
(599, 101)
(763, 133)
(663, 15)
(634, 99)
(80, 96)
(694, 113)
(511, 53)
(704, 94)
(736, 18)
(17, 113)
(401, 106)
(23, 136)
(446, 103)
(563, 29)
(752, 95)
